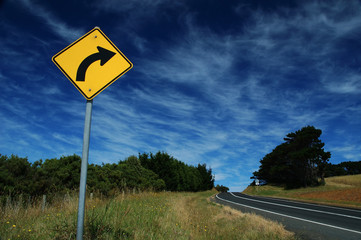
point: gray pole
(84, 169)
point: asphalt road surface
(308, 221)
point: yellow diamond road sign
(92, 63)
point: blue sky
(215, 82)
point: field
(339, 191)
(149, 215)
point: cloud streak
(60, 28)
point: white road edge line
(283, 215)
(282, 205)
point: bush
(222, 188)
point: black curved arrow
(103, 55)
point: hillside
(338, 191)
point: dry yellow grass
(342, 195)
(139, 216)
(202, 219)
(255, 222)
(339, 191)
(347, 190)
(346, 181)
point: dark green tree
(16, 175)
(136, 176)
(207, 179)
(177, 175)
(62, 174)
(300, 161)
(343, 168)
(275, 166)
(351, 167)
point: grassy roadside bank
(162, 215)
(344, 191)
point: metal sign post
(84, 170)
(91, 63)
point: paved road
(308, 221)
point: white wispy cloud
(57, 26)
(346, 82)
(347, 150)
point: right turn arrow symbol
(103, 55)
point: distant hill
(338, 191)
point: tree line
(156, 172)
(300, 161)
(343, 168)
(177, 175)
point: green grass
(338, 191)
(162, 215)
